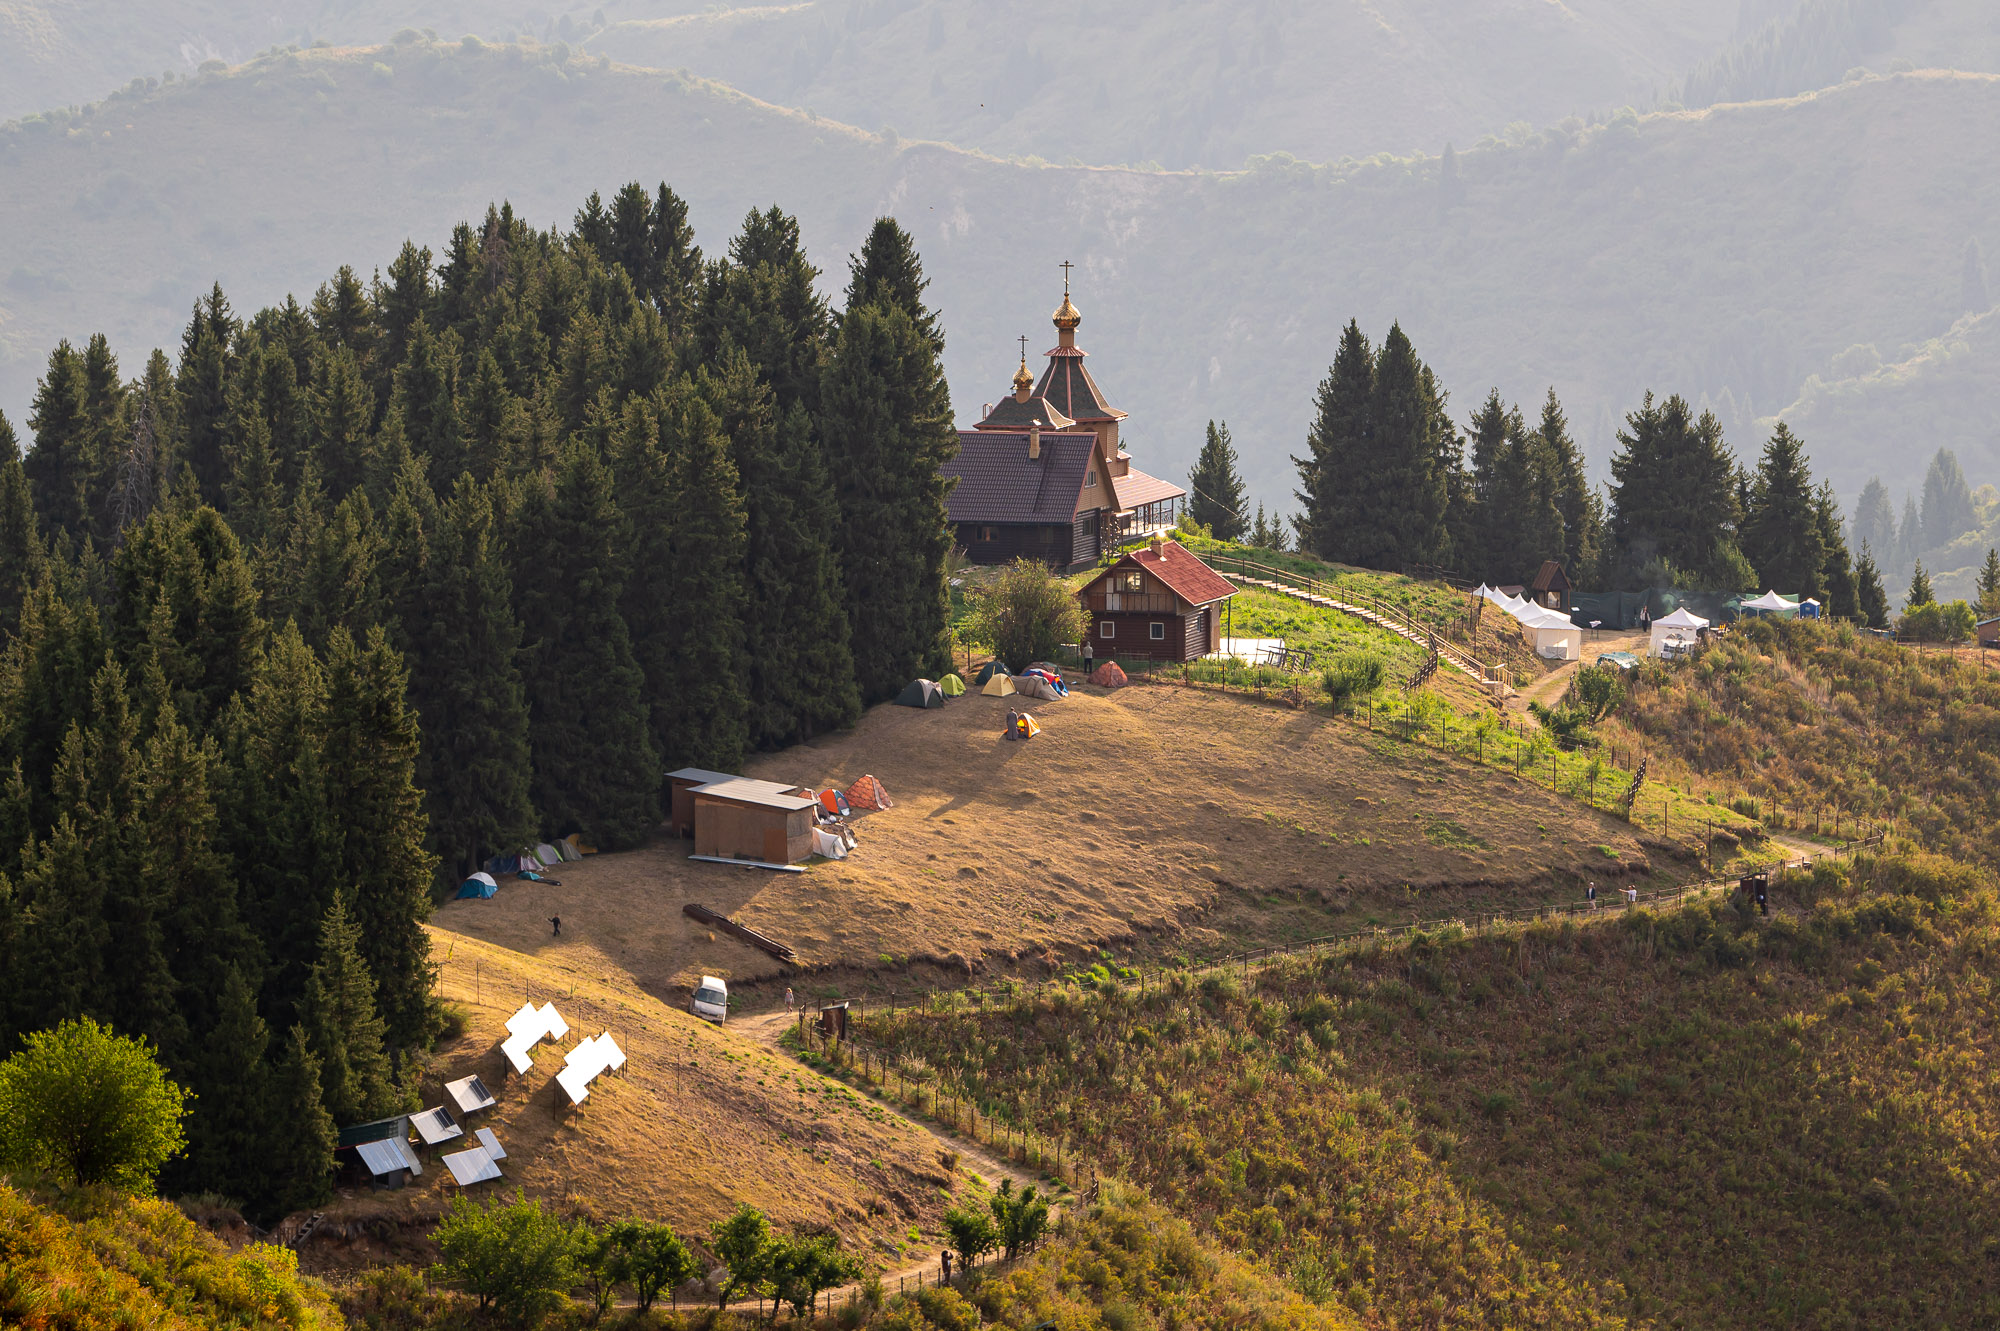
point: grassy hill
(1646, 1120)
(1726, 254)
(104, 1262)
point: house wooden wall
(1052, 545)
(751, 831)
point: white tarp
(472, 1166)
(435, 1125)
(1676, 630)
(829, 845)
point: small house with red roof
(1042, 475)
(1158, 603)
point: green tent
(990, 669)
(920, 693)
(951, 686)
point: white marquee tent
(1554, 637)
(1677, 630)
(1770, 603)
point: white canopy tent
(1554, 636)
(1677, 630)
(1770, 603)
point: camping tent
(1034, 686)
(1026, 727)
(480, 885)
(548, 854)
(867, 793)
(829, 845)
(1772, 604)
(1555, 637)
(990, 669)
(1000, 686)
(576, 843)
(833, 801)
(1108, 676)
(951, 686)
(920, 693)
(1677, 630)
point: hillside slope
(1725, 254)
(1189, 85)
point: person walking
(790, 1002)
(1590, 895)
(944, 1257)
(555, 923)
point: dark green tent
(920, 693)
(989, 670)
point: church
(1042, 476)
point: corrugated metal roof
(1135, 488)
(697, 774)
(999, 483)
(384, 1157)
(470, 1167)
(767, 794)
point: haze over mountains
(1815, 256)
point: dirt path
(768, 1029)
(1551, 686)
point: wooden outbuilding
(737, 818)
(681, 785)
(1988, 632)
(1551, 588)
(1159, 603)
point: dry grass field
(700, 1119)
(1170, 817)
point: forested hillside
(1724, 256)
(1806, 44)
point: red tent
(867, 793)
(1108, 676)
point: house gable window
(1135, 582)
(1090, 479)
(1157, 632)
(1107, 628)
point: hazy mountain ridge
(1725, 254)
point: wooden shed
(737, 818)
(680, 816)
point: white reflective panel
(553, 1024)
(382, 1157)
(435, 1125)
(527, 1024)
(575, 1085)
(490, 1143)
(517, 1056)
(613, 1056)
(473, 1166)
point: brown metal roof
(1135, 487)
(1067, 384)
(1008, 414)
(1551, 578)
(1180, 569)
(998, 483)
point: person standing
(944, 1258)
(1590, 895)
(555, 923)
(790, 1002)
(1089, 658)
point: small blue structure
(480, 885)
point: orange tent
(1108, 676)
(867, 793)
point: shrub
(742, 1243)
(92, 1106)
(513, 1257)
(972, 1233)
(1027, 614)
(799, 1268)
(651, 1258)
(1353, 675)
(1953, 621)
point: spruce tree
(342, 410)
(208, 367)
(1871, 600)
(187, 604)
(1920, 592)
(1582, 512)
(1989, 583)
(1781, 532)
(1486, 524)
(676, 263)
(55, 660)
(63, 462)
(1336, 479)
(297, 1157)
(251, 494)
(595, 769)
(886, 417)
(342, 1027)
(887, 272)
(461, 642)
(425, 403)
(21, 552)
(230, 1077)
(1837, 575)
(371, 749)
(1216, 497)
(1413, 443)
(765, 301)
(1674, 501)
(345, 316)
(1948, 512)
(1874, 518)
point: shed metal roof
(767, 794)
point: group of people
(1631, 895)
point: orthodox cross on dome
(1024, 348)
(1066, 266)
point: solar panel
(470, 1094)
(613, 1056)
(585, 1061)
(436, 1125)
(491, 1143)
(553, 1023)
(470, 1167)
(527, 1022)
(575, 1083)
(517, 1055)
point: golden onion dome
(1068, 316)
(1023, 381)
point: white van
(711, 999)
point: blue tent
(480, 885)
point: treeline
(1390, 482)
(305, 624)
(1811, 46)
